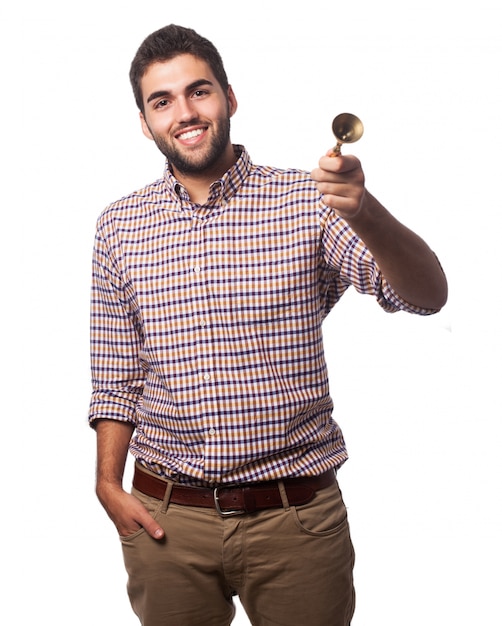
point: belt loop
(167, 496)
(284, 495)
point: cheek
(160, 126)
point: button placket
(202, 329)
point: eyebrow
(164, 92)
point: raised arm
(406, 261)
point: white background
(418, 399)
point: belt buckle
(217, 504)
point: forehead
(174, 75)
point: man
(209, 291)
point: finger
(338, 170)
(344, 206)
(320, 175)
(150, 525)
(339, 164)
(152, 528)
(336, 189)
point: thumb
(152, 527)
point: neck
(197, 185)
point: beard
(199, 160)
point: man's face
(187, 114)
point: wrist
(106, 488)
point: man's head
(168, 43)
(185, 101)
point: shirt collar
(222, 189)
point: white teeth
(191, 134)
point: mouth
(192, 135)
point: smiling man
(210, 287)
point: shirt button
(203, 323)
(207, 376)
(197, 269)
(212, 431)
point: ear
(232, 101)
(144, 127)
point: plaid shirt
(206, 324)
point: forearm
(405, 260)
(113, 439)
(125, 510)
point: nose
(185, 111)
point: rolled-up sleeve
(354, 265)
(116, 338)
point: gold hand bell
(347, 128)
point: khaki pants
(290, 566)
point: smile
(191, 134)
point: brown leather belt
(235, 499)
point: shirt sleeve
(346, 253)
(116, 339)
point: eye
(162, 103)
(199, 93)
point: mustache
(196, 121)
